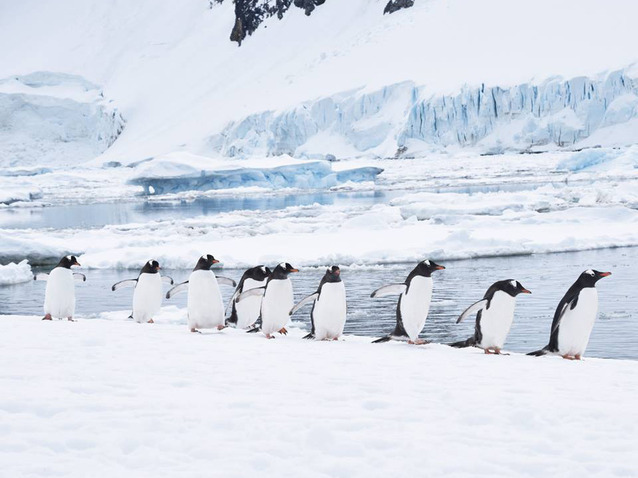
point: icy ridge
(400, 118)
(54, 118)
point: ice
(178, 173)
(602, 159)
(13, 273)
(156, 400)
(54, 119)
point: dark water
(103, 214)
(548, 276)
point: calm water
(548, 276)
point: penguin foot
(195, 331)
(283, 331)
(418, 342)
(577, 357)
(70, 319)
(490, 351)
(335, 338)
(221, 327)
(47, 317)
(150, 321)
(268, 336)
(571, 357)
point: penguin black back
(205, 263)
(151, 267)
(67, 262)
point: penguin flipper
(387, 338)
(304, 301)
(475, 307)
(257, 291)
(41, 276)
(230, 303)
(390, 289)
(177, 289)
(539, 353)
(310, 336)
(254, 330)
(79, 276)
(226, 281)
(124, 283)
(168, 279)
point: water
(99, 215)
(548, 276)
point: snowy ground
(110, 397)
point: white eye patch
(514, 283)
(263, 269)
(282, 265)
(427, 262)
(590, 272)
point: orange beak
(215, 261)
(605, 274)
(438, 268)
(294, 270)
(525, 291)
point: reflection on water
(615, 334)
(99, 215)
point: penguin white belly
(59, 297)
(576, 325)
(275, 306)
(497, 320)
(205, 306)
(147, 297)
(329, 313)
(248, 309)
(415, 305)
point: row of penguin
(263, 302)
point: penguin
(574, 318)
(328, 314)
(415, 295)
(494, 316)
(59, 296)
(205, 306)
(147, 297)
(277, 300)
(244, 314)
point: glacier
(54, 118)
(401, 119)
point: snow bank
(15, 273)
(178, 173)
(54, 119)
(111, 397)
(602, 159)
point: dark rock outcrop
(394, 5)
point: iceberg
(13, 273)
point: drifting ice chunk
(174, 178)
(15, 273)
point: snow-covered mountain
(346, 80)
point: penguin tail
(539, 353)
(387, 338)
(471, 342)
(310, 336)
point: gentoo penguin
(147, 297)
(277, 300)
(574, 318)
(205, 306)
(59, 297)
(244, 314)
(415, 295)
(494, 316)
(328, 315)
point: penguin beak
(605, 274)
(294, 270)
(525, 291)
(76, 263)
(215, 261)
(439, 268)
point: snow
(13, 273)
(109, 397)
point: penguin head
(68, 261)
(205, 262)
(283, 269)
(513, 287)
(151, 267)
(426, 267)
(333, 274)
(259, 273)
(591, 276)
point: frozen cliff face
(54, 119)
(403, 118)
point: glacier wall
(403, 118)
(54, 119)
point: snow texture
(112, 397)
(13, 273)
